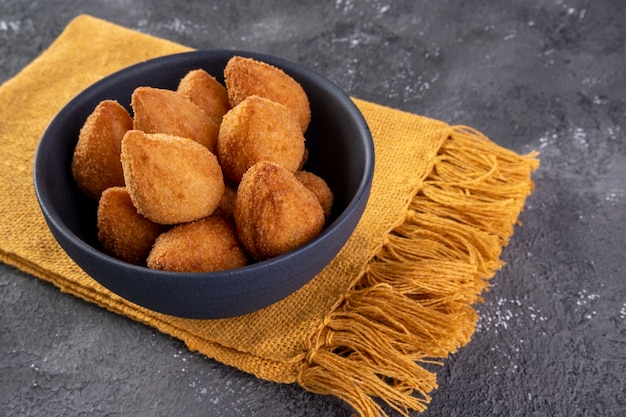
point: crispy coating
(158, 110)
(255, 130)
(305, 158)
(122, 232)
(274, 212)
(246, 76)
(170, 179)
(96, 162)
(226, 208)
(320, 188)
(208, 244)
(203, 90)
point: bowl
(340, 149)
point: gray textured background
(547, 75)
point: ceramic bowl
(340, 150)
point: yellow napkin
(400, 293)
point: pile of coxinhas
(206, 177)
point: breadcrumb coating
(206, 245)
(245, 77)
(96, 162)
(122, 231)
(255, 130)
(158, 110)
(274, 212)
(171, 179)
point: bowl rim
(63, 234)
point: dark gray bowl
(340, 150)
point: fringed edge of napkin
(414, 302)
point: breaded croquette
(158, 110)
(203, 90)
(170, 179)
(274, 212)
(96, 162)
(246, 76)
(319, 187)
(255, 130)
(122, 232)
(226, 208)
(208, 244)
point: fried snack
(258, 129)
(246, 76)
(319, 187)
(122, 232)
(158, 110)
(305, 158)
(203, 90)
(96, 162)
(226, 207)
(274, 212)
(170, 179)
(208, 244)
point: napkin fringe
(413, 303)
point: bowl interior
(340, 150)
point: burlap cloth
(444, 203)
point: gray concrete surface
(538, 74)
